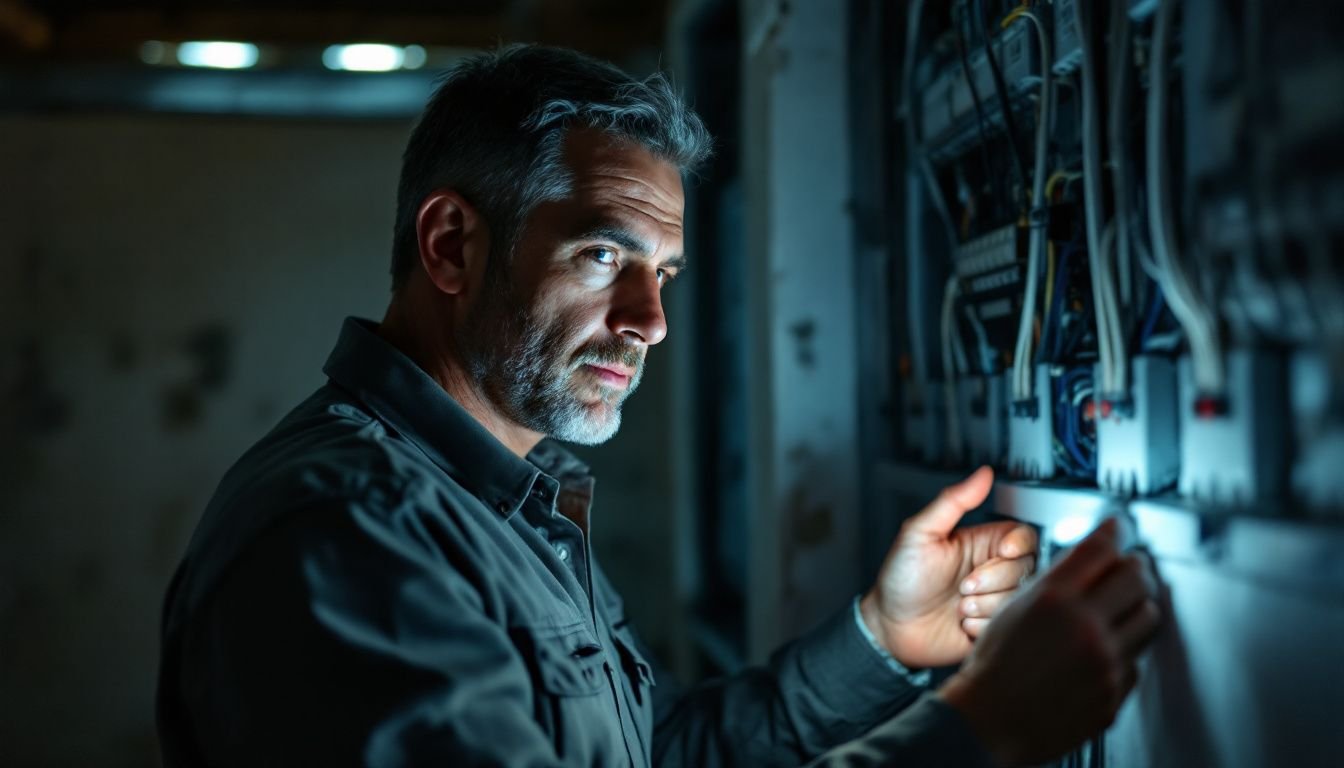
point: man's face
(558, 338)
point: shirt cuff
(916, 677)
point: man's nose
(637, 307)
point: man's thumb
(944, 512)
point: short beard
(522, 364)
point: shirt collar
(407, 400)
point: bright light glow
(217, 55)
(364, 57)
(1070, 530)
(414, 57)
(153, 52)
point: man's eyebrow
(628, 240)
(676, 262)
(616, 234)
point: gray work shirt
(379, 581)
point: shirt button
(562, 550)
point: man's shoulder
(328, 446)
(328, 456)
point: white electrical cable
(1110, 338)
(1119, 350)
(1186, 304)
(1120, 42)
(1022, 355)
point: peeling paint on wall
(804, 335)
(210, 349)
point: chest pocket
(564, 661)
(571, 692)
(633, 663)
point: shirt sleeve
(920, 678)
(827, 688)
(338, 640)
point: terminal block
(1031, 431)
(1234, 456)
(1138, 447)
(1068, 52)
(948, 122)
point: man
(399, 573)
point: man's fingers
(985, 606)
(973, 627)
(998, 575)
(1122, 588)
(944, 512)
(1092, 557)
(1137, 627)
(1003, 540)
(1021, 540)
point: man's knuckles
(982, 606)
(998, 576)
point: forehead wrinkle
(666, 202)
(628, 211)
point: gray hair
(494, 131)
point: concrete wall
(802, 372)
(169, 287)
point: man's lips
(615, 375)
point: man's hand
(1055, 666)
(938, 587)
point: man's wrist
(867, 620)
(872, 619)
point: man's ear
(453, 240)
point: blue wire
(1057, 299)
(1067, 414)
(1154, 312)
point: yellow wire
(1055, 179)
(1014, 15)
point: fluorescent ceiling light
(217, 55)
(365, 57)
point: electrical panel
(1119, 279)
(1133, 214)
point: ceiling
(114, 30)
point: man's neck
(423, 337)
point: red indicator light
(1210, 407)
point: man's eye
(603, 255)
